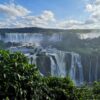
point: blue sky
(62, 8)
(39, 11)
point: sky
(64, 14)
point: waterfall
(21, 37)
(90, 72)
(79, 64)
(59, 67)
(60, 59)
(83, 67)
(33, 59)
(54, 70)
(72, 70)
(58, 63)
(76, 62)
(55, 37)
(29, 37)
(96, 70)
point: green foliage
(84, 93)
(96, 90)
(60, 88)
(89, 92)
(15, 74)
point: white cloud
(92, 22)
(47, 16)
(41, 20)
(13, 10)
(89, 7)
(70, 24)
(94, 10)
(19, 16)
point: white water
(29, 37)
(59, 63)
(61, 67)
(21, 37)
(90, 72)
(76, 62)
(53, 67)
(96, 70)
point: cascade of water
(72, 70)
(96, 69)
(90, 72)
(59, 66)
(59, 63)
(55, 37)
(76, 62)
(33, 59)
(54, 71)
(21, 37)
(60, 59)
(79, 64)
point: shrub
(15, 75)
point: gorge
(60, 53)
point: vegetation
(20, 80)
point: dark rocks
(44, 65)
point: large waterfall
(21, 38)
(76, 62)
(29, 37)
(58, 64)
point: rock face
(91, 67)
(43, 62)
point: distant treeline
(44, 30)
